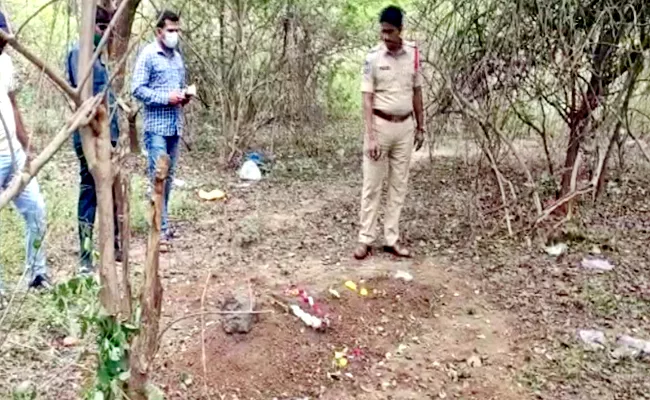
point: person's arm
(418, 107)
(418, 103)
(368, 106)
(21, 134)
(140, 84)
(368, 90)
(187, 98)
(8, 84)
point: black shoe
(118, 255)
(41, 282)
(172, 233)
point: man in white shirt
(13, 144)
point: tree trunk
(578, 125)
(121, 187)
(119, 46)
(102, 173)
(145, 344)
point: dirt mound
(282, 357)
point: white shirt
(7, 85)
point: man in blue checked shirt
(159, 83)
(87, 207)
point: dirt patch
(282, 357)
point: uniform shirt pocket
(386, 75)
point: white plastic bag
(250, 171)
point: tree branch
(88, 72)
(42, 65)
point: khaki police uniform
(391, 78)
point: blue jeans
(157, 146)
(87, 207)
(31, 206)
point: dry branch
(42, 65)
(124, 194)
(561, 202)
(479, 116)
(146, 343)
(218, 313)
(504, 199)
(203, 357)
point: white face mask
(170, 40)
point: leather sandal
(398, 250)
(362, 251)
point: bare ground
(476, 293)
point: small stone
(592, 338)
(556, 250)
(70, 341)
(241, 302)
(596, 264)
(403, 275)
(474, 361)
(632, 346)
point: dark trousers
(87, 208)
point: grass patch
(605, 303)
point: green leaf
(115, 354)
(88, 244)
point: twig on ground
(560, 203)
(574, 181)
(203, 358)
(189, 316)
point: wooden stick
(561, 202)
(42, 65)
(203, 357)
(124, 184)
(218, 313)
(86, 35)
(574, 181)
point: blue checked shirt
(156, 75)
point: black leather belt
(390, 117)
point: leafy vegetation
(529, 104)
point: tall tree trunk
(145, 344)
(119, 46)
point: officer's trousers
(396, 142)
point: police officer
(392, 96)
